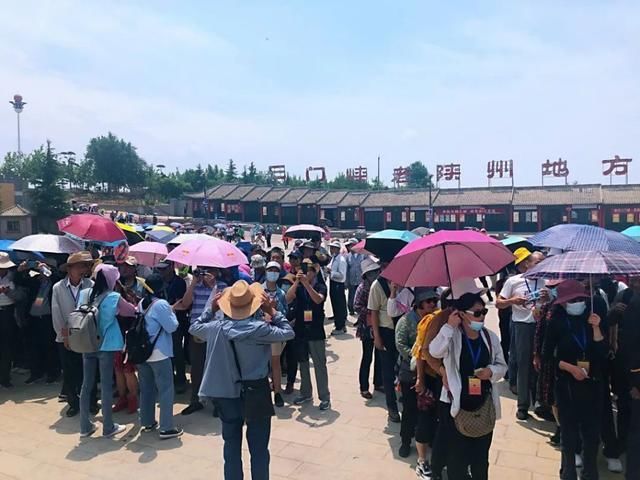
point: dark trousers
(633, 442)
(338, 304)
(351, 295)
(466, 453)
(608, 434)
(258, 433)
(389, 358)
(179, 338)
(504, 317)
(409, 412)
(439, 447)
(8, 329)
(616, 444)
(268, 237)
(522, 349)
(197, 354)
(579, 410)
(370, 354)
(72, 377)
(291, 357)
(44, 357)
(485, 284)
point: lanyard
(526, 283)
(475, 355)
(75, 297)
(582, 344)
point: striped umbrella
(574, 237)
(586, 264)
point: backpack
(137, 345)
(387, 291)
(84, 334)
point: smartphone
(32, 264)
(305, 268)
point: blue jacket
(160, 319)
(108, 327)
(252, 337)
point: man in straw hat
(239, 349)
(515, 294)
(63, 301)
(7, 319)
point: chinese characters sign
(500, 169)
(358, 174)
(400, 176)
(557, 169)
(616, 166)
(278, 173)
(451, 171)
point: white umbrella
(185, 237)
(46, 243)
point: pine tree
(231, 174)
(48, 198)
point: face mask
(272, 276)
(476, 326)
(576, 309)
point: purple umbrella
(587, 263)
(446, 256)
(574, 237)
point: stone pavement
(350, 441)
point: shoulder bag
(255, 395)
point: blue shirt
(108, 326)
(252, 337)
(161, 320)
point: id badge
(38, 301)
(308, 315)
(475, 386)
(584, 364)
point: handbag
(482, 421)
(478, 423)
(256, 398)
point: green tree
(12, 165)
(116, 163)
(47, 198)
(342, 182)
(418, 175)
(231, 173)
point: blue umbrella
(160, 236)
(574, 237)
(5, 245)
(513, 242)
(387, 243)
(633, 232)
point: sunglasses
(478, 314)
(431, 300)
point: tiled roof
(275, 194)
(312, 197)
(353, 199)
(397, 198)
(558, 195)
(239, 193)
(333, 197)
(256, 194)
(15, 211)
(621, 194)
(472, 196)
(223, 190)
(210, 193)
(294, 195)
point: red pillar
(458, 219)
(384, 219)
(601, 216)
(539, 210)
(408, 214)
(299, 210)
(510, 213)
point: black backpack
(138, 345)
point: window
(630, 218)
(264, 211)
(356, 217)
(388, 216)
(404, 216)
(13, 226)
(516, 217)
(479, 218)
(615, 218)
(412, 217)
(343, 216)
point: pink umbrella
(359, 248)
(91, 226)
(149, 253)
(211, 252)
(447, 255)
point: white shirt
(6, 281)
(74, 289)
(516, 286)
(339, 269)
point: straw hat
(241, 300)
(521, 254)
(369, 265)
(5, 261)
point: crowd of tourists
(228, 336)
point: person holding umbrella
(577, 347)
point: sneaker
(578, 461)
(423, 471)
(278, 400)
(325, 405)
(394, 417)
(300, 400)
(289, 389)
(91, 431)
(150, 428)
(556, 439)
(522, 415)
(173, 433)
(405, 450)
(192, 408)
(337, 331)
(71, 412)
(120, 405)
(366, 395)
(116, 430)
(62, 398)
(614, 465)
(32, 379)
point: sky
(331, 83)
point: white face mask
(576, 309)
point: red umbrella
(90, 226)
